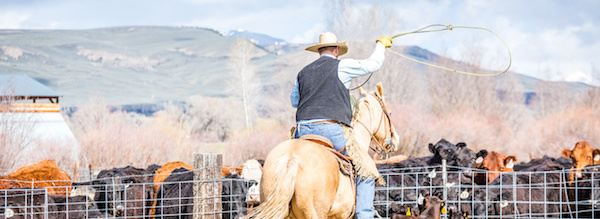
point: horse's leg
(345, 198)
(317, 183)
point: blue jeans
(365, 189)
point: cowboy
(323, 100)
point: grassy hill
(141, 65)
(123, 65)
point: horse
(302, 178)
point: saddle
(345, 162)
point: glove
(387, 42)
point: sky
(548, 39)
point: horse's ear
(362, 91)
(379, 90)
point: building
(31, 126)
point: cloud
(12, 20)
(310, 35)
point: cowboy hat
(329, 39)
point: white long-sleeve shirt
(349, 69)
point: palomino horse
(302, 179)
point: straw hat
(329, 39)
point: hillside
(144, 66)
(123, 65)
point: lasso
(446, 27)
(450, 27)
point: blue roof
(21, 85)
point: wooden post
(207, 186)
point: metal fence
(532, 194)
(521, 194)
(128, 200)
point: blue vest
(322, 94)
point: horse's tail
(277, 203)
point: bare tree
(244, 83)
(15, 134)
(211, 118)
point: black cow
(402, 181)
(406, 177)
(458, 155)
(587, 193)
(545, 164)
(532, 194)
(175, 195)
(126, 191)
(36, 203)
(175, 198)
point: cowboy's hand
(386, 41)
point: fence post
(207, 186)
(445, 188)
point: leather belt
(326, 121)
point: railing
(30, 108)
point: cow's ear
(509, 162)
(482, 153)
(566, 153)
(461, 145)
(596, 154)
(432, 148)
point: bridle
(385, 147)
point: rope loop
(451, 27)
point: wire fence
(521, 194)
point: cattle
(530, 194)
(405, 209)
(588, 193)
(495, 164)
(402, 180)
(458, 155)
(175, 195)
(159, 177)
(124, 192)
(432, 207)
(252, 171)
(582, 155)
(544, 163)
(44, 174)
(36, 203)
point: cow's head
(443, 150)
(496, 163)
(465, 157)
(582, 155)
(119, 189)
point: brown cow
(582, 155)
(228, 169)
(161, 174)
(41, 175)
(494, 162)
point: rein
(380, 147)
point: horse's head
(374, 115)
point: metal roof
(21, 85)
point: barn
(31, 125)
